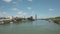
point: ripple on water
(36, 27)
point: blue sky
(21, 8)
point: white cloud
(21, 14)
(15, 9)
(24, 14)
(51, 9)
(29, 8)
(30, 0)
(7, 1)
(14, 2)
(4, 13)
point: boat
(1, 22)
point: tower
(35, 16)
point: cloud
(4, 13)
(15, 9)
(29, 8)
(29, 0)
(21, 14)
(14, 2)
(24, 14)
(51, 9)
(7, 1)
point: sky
(27, 8)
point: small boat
(1, 22)
(11, 22)
(50, 20)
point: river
(35, 27)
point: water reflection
(31, 27)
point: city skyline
(20, 8)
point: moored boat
(1, 22)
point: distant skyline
(26, 8)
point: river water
(35, 27)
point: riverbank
(55, 20)
(16, 20)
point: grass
(56, 20)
